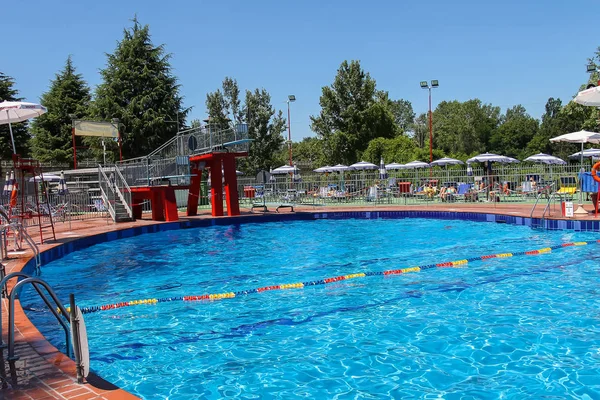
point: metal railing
(107, 192)
(170, 161)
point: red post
(74, 148)
(216, 183)
(231, 192)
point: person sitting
(430, 191)
(472, 195)
(443, 193)
(450, 192)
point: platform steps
(121, 214)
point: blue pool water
(519, 327)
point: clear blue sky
(503, 52)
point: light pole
(291, 99)
(424, 85)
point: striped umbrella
(382, 171)
(5, 191)
(62, 185)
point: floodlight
(591, 68)
(424, 85)
(435, 83)
(291, 97)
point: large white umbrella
(45, 178)
(18, 111)
(394, 166)
(444, 162)
(323, 169)
(542, 158)
(579, 137)
(589, 97)
(545, 159)
(285, 169)
(339, 168)
(491, 157)
(363, 165)
(415, 165)
(587, 153)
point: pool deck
(43, 372)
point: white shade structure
(415, 165)
(18, 111)
(363, 165)
(579, 137)
(442, 162)
(545, 159)
(586, 153)
(339, 168)
(285, 169)
(323, 169)
(45, 178)
(393, 166)
(589, 97)
(491, 157)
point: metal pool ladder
(548, 203)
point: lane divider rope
(300, 285)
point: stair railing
(107, 191)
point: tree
(464, 127)
(139, 89)
(514, 133)
(20, 133)
(400, 149)
(265, 128)
(352, 114)
(309, 152)
(68, 95)
(550, 127)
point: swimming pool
(514, 327)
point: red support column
(194, 192)
(216, 190)
(231, 192)
(170, 204)
(157, 202)
(136, 200)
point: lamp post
(291, 99)
(424, 85)
(73, 118)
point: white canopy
(545, 159)
(415, 164)
(320, 170)
(394, 166)
(586, 153)
(285, 169)
(492, 158)
(589, 97)
(339, 168)
(578, 137)
(446, 161)
(363, 165)
(18, 111)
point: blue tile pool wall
(78, 244)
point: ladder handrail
(104, 195)
(11, 313)
(539, 195)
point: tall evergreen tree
(68, 95)
(352, 114)
(140, 90)
(20, 133)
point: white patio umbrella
(323, 169)
(415, 165)
(363, 165)
(5, 191)
(18, 111)
(444, 162)
(579, 137)
(382, 171)
(341, 168)
(587, 153)
(490, 158)
(542, 158)
(394, 166)
(285, 169)
(45, 178)
(589, 97)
